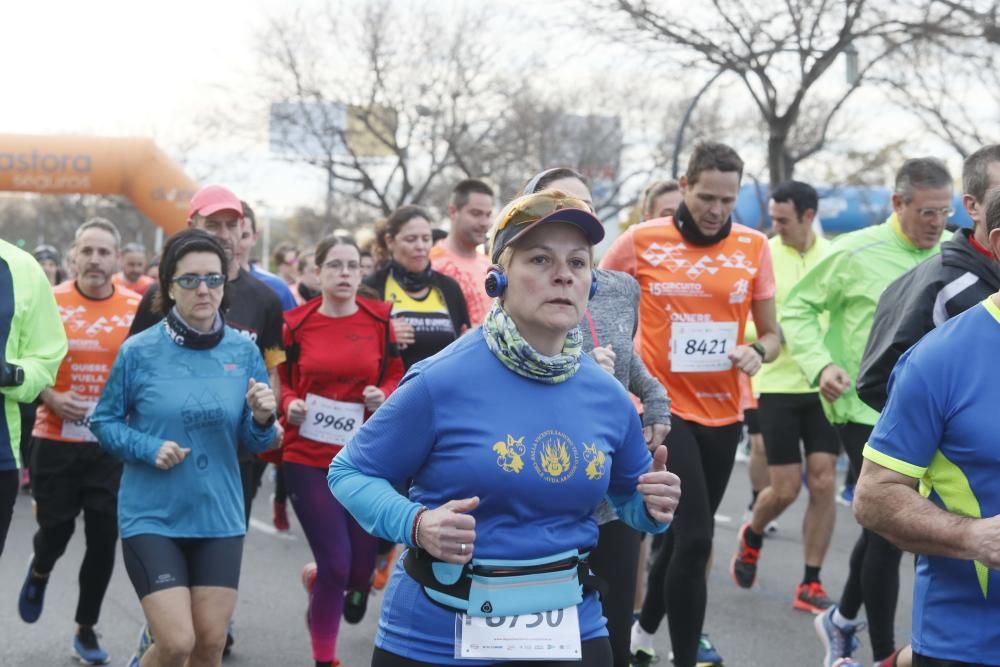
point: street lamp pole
(679, 139)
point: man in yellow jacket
(790, 413)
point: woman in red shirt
(342, 363)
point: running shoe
(846, 496)
(230, 640)
(88, 650)
(643, 658)
(743, 567)
(383, 568)
(847, 662)
(355, 603)
(309, 576)
(708, 655)
(145, 641)
(838, 642)
(279, 514)
(32, 597)
(812, 598)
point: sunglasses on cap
(531, 208)
(192, 281)
(528, 211)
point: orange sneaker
(383, 568)
(812, 598)
(743, 567)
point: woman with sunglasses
(500, 515)
(342, 363)
(608, 327)
(180, 399)
(428, 308)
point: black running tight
(101, 532)
(873, 578)
(702, 457)
(616, 561)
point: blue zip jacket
(160, 391)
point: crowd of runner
(425, 389)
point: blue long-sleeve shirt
(160, 391)
(540, 457)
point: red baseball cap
(212, 199)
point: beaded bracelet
(415, 532)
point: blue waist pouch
(494, 587)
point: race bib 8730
(549, 635)
(699, 347)
(329, 421)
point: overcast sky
(129, 67)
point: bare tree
(781, 52)
(950, 82)
(380, 99)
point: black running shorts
(155, 562)
(789, 419)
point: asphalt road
(756, 627)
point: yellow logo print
(510, 453)
(555, 458)
(595, 461)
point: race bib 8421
(699, 347)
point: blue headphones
(496, 282)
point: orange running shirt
(693, 311)
(470, 274)
(95, 329)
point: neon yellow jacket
(32, 337)
(846, 285)
(783, 375)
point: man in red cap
(252, 307)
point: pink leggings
(345, 554)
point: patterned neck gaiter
(507, 344)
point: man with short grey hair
(961, 276)
(843, 289)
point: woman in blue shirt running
(180, 398)
(511, 438)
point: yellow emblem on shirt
(554, 456)
(510, 453)
(595, 461)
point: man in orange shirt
(457, 255)
(700, 276)
(70, 472)
(133, 274)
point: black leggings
(616, 561)
(702, 457)
(101, 532)
(9, 482)
(873, 578)
(596, 653)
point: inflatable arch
(133, 167)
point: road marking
(268, 529)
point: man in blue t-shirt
(938, 427)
